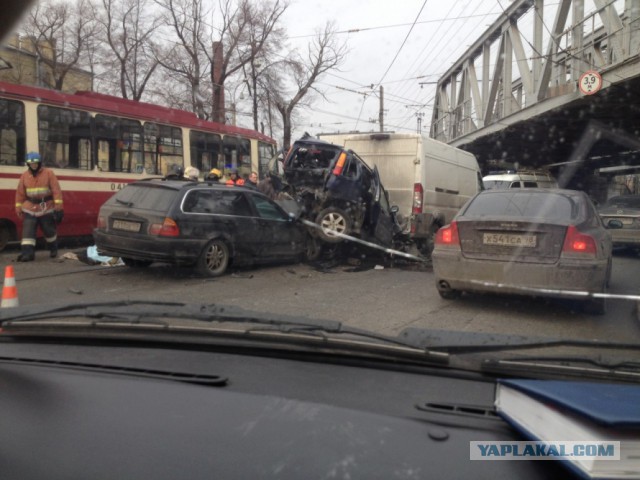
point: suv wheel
(333, 220)
(214, 259)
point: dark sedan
(190, 223)
(622, 215)
(545, 242)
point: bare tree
(249, 34)
(60, 32)
(204, 56)
(262, 60)
(324, 53)
(186, 60)
(127, 28)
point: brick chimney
(219, 106)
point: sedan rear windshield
(630, 201)
(539, 205)
(145, 197)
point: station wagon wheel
(313, 248)
(214, 259)
(333, 219)
(5, 235)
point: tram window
(230, 148)
(12, 133)
(62, 135)
(245, 157)
(237, 154)
(162, 148)
(265, 154)
(205, 150)
(119, 144)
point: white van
(428, 180)
(520, 179)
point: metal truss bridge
(551, 84)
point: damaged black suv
(339, 192)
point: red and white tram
(97, 143)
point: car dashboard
(96, 410)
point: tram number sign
(590, 82)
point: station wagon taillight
(102, 222)
(577, 242)
(168, 228)
(448, 235)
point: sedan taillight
(448, 235)
(577, 242)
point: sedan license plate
(126, 226)
(509, 240)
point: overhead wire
(434, 50)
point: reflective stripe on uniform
(35, 192)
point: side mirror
(614, 224)
(395, 209)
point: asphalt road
(385, 300)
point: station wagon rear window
(526, 204)
(217, 202)
(142, 196)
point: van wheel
(595, 306)
(427, 245)
(214, 259)
(331, 220)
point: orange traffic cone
(9, 290)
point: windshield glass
(322, 160)
(298, 239)
(629, 201)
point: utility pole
(419, 115)
(381, 115)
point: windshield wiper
(125, 203)
(525, 355)
(459, 342)
(574, 366)
(159, 314)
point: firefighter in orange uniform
(38, 203)
(234, 179)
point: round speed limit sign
(590, 82)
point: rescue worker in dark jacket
(38, 203)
